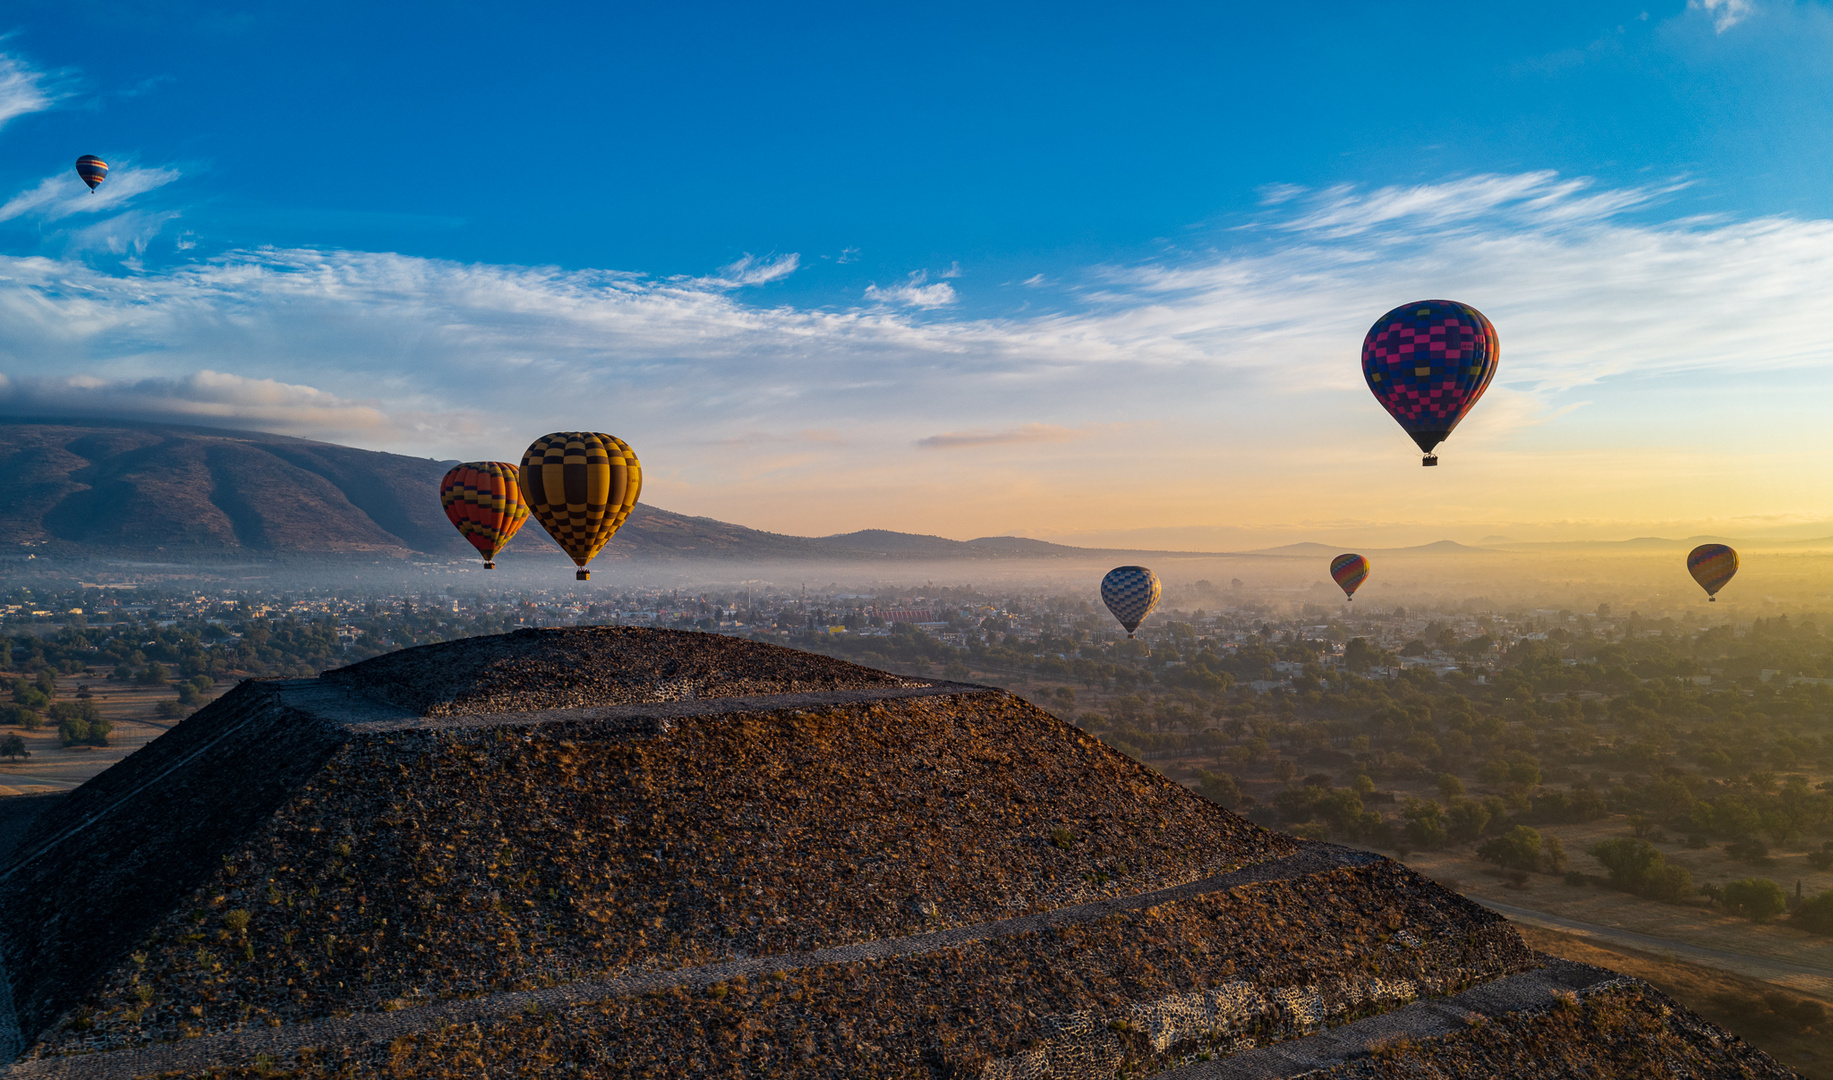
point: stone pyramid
(620, 852)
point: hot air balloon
(1428, 362)
(1130, 592)
(1712, 566)
(580, 485)
(482, 499)
(1349, 572)
(92, 169)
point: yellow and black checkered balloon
(580, 485)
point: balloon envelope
(1712, 566)
(1349, 572)
(581, 486)
(1130, 592)
(92, 169)
(1427, 363)
(483, 501)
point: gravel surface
(1621, 1029)
(422, 864)
(574, 667)
(227, 1048)
(1275, 948)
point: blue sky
(818, 263)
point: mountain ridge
(107, 487)
(99, 487)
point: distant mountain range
(98, 487)
(128, 488)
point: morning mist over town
(1045, 541)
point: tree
(1425, 826)
(1517, 849)
(1493, 773)
(1359, 655)
(1449, 787)
(1757, 899)
(13, 746)
(152, 675)
(1465, 820)
(1552, 855)
(1815, 915)
(1219, 788)
(29, 696)
(21, 716)
(80, 723)
(1636, 867)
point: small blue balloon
(1130, 592)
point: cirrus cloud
(64, 194)
(25, 89)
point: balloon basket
(1711, 599)
(1429, 459)
(490, 566)
(583, 575)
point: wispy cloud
(1538, 198)
(25, 89)
(64, 194)
(1030, 433)
(1244, 358)
(913, 292)
(1725, 14)
(751, 270)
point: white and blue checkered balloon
(1130, 592)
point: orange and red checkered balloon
(482, 499)
(1349, 572)
(1712, 566)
